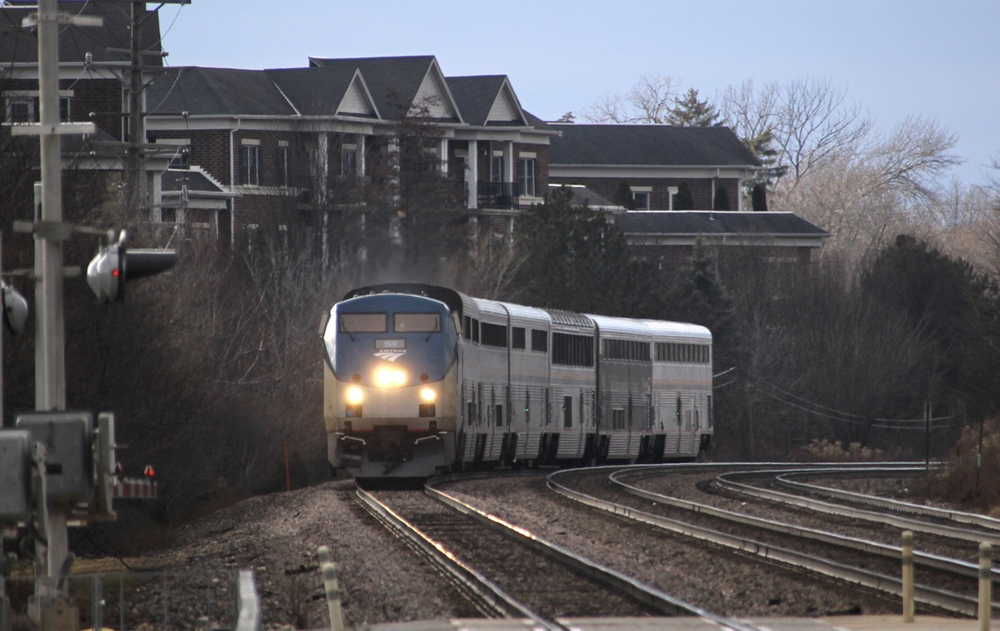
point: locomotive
(421, 379)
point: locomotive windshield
(416, 322)
(362, 322)
(412, 334)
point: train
(421, 380)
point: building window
(641, 197)
(20, 110)
(281, 174)
(526, 176)
(349, 160)
(496, 167)
(25, 107)
(250, 165)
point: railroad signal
(114, 264)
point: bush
(963, 480)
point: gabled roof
(325, 91)
(705, 222)
(216, 91)
(648, 145)
(396, 82)
(19, 45)
(487, 100)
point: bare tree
(650, 100)
(874, 187)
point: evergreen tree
(957, 311)
(692, 112)
(758, 197)
(623, 196)
(696, 296)
(683, 200)
(575, 259)
(721, 199)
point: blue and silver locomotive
(421, 379)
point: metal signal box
(69, 462)
(15, 476)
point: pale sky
(934, 59)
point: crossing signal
(115, 264)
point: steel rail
(973, 519)
(726, 481)
(633, 588)
(486, 592)
(932, 597)
(938, 562)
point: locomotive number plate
(390, 345)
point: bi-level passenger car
(421, 379)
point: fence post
(985, 585)
(333, 596)
(908, 606)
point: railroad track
(509, 572)
(873, 565)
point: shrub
(963, 479)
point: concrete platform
(838, 623)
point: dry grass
(822, 450)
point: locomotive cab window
(363, 322)
(416, 322)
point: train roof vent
(570, 318)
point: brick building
(643, 170)
(232, 153)
(306, 141)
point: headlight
(390, 378)
(428, 395)
(354, 395)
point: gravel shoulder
(277, 536)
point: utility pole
(136, 194)
(50, 386)
(70, 484)
(136, 185)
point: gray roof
(476, 95)
(215, 91)
(657, 145)
(20, 45)
(392, 81)
(580, 195)
(694, 222)
(314, 91)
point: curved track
(510, 572)
(844, 558)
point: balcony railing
(498, 194)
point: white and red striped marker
(134, 489)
